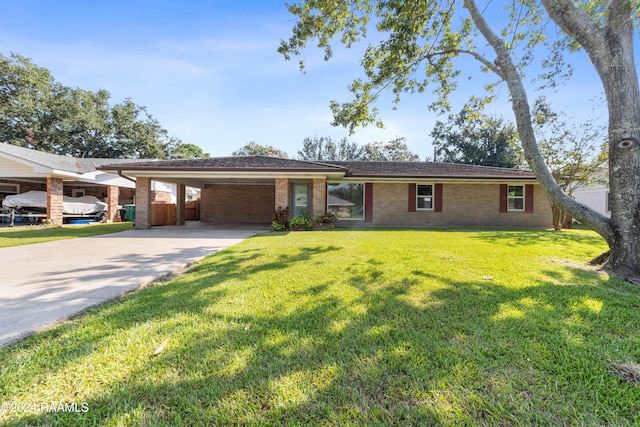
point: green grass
(350, 328)
(39, 233)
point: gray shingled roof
(58, 162)
(236, 163)
(352, 169)
(428, 170)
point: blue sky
(210, 73)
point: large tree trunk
(611, 50)
(623, 98)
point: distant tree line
(38, 112)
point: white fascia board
(25, 162)
(65, 175)
(102, 178)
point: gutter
(120, 174)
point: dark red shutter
(503, 198)
(412, 198)
(528, 198)
(437, 196)
(368, 202)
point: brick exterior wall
(282, 193)
(237, 203)
(463, 206)
(54, 200)
(161, 196)
(319, 197)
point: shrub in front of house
(280, 219)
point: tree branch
(578, 24)
(490, 65)
(522, 113)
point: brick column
(143, 203)
(282, 193)
(180, 204)
(319, 197)
(54, 200)
(113, 195)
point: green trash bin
(130, 213)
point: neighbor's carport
(233, 189)
(27, 169)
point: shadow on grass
(413, 350)
(536, 237)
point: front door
(300, 202)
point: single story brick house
(362, 194)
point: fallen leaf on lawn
(487, 277)
(247, 326)
(159, 349)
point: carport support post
(54, 200)
(143, 203)
(113, 194)
(180, 204)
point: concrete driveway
(44, 283)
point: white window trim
(418, 196)
(364, 197)
(15, 186)
(523, 197)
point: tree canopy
(252, 148)
(476, 139)
(523, 45)
(38, 112)
(323, 148)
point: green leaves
(38, 112)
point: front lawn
(349, 328)
(40, 233)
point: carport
(24, 169)
(233, 189)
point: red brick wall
(237, 203)
(161, 196)
(463, 206)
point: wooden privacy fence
(192, 210)
(163, 214)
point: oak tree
(422, 41)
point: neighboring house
(595, 196)
(364, 194)
(24, 169)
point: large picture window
(424, 196)
(346, 201)
(515, 198)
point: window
(515, 197)
(424, 194)
(8, 188)
(346, 201)
(77, 192)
